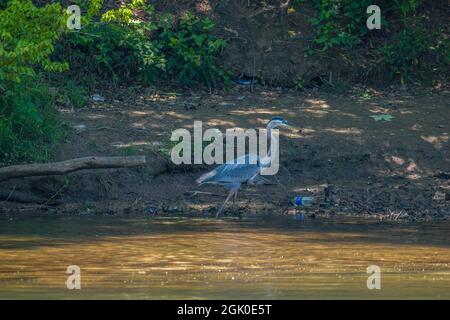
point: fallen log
(64, 167)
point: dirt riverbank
(352, 163)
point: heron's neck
(269, 139)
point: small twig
(86, 33)
(10, 194)
(54, 195)
(105, 128)
(136, 201)
(278, 181)
(196, 192)
(326, 81)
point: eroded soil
(353, 164)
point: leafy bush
(404, 53)
(339, 23)
(29, 127)
(111, 45)
(70, 94)
(27, 36)
(27, 119)
(114, 45)
(402, 45)
(190, 49)
(119, 45)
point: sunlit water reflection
(271, 258)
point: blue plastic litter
(304, 201)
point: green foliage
(404, 53)
(127, 43)
(112, 45)
(27, 36)
(71, 95)
(28, 124)
(120, 46)
(401, 46)
(299, 83)
(339, 23)
(190, 49)
(27, 118)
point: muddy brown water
(177, 258)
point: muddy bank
(352, 163)
(270, 40)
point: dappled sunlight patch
(395, 159)
(264, 121)
(96, 116)
(416, 127)
(158, 126)
(162, 98)
(412, 171)
(66, 110)
(412, 167)
(200, 207)
(413, 176)
(138, 125)
(203, 6)
(270, 94)
(176, 115)
(324, 109)
(318, 103)
(346, 114)
(317, 188)
(350, 131)
(259, 111)
(408, 169)
(138, 113)
(436, 141)
(317, 113)
(221, 122)
(131, 144)
(378, 109)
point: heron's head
(277, 122)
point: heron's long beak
(293, 127)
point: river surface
(252, 258)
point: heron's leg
(230, 194)
(280, 182)
(234, 200)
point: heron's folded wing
(237, 170)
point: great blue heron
(245, 169)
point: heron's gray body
(234, 173)
(245, 169)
